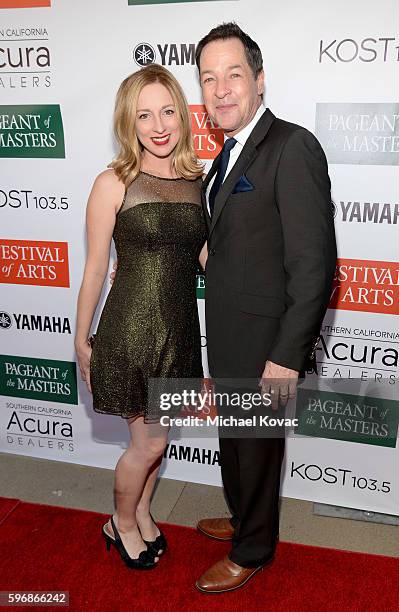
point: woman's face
(158, 125)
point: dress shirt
(241, 138)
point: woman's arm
(203, 256)
(104, 201)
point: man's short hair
(232, 30)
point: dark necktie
(222, 167)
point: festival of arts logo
(44, 379)
(34, 262)
(359, 133)
(24, 3)
(139, 2)
(366, 286)
(342, 416)
(207, 135)
(31, 130)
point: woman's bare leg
(131, 473)
(148, 529)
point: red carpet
(51, 548)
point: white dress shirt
(241, 138)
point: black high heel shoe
(145, 560)
(158, 544)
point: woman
(149, 202)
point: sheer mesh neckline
(162, 178)
(150, 189)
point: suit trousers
(251, 467)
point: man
(271, 260)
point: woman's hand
(83, 353)
(113, 274)
(203, 256)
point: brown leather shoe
(224, 576)
(217, 528)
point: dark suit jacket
(272, 253)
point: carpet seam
(176, 502)
(18, 503)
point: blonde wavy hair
(127, 163)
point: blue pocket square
(243, 184)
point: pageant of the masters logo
(359, 133)
(31, 130)
(44, 379)
(342, 416)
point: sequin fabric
(149, 325)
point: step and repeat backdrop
(334, 70)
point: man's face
(231, 93)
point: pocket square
(243, 184)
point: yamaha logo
(5, 320)
(34, 322)
(368, 212)
(334, 208)
(144, 54)
(166, 54)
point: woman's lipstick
(160, 141)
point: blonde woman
(149, 202)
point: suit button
(212, 252)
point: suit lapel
(246, 157)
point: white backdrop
(332, 69)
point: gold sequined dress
(149, 325)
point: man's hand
(280, 382)
(112, 275)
